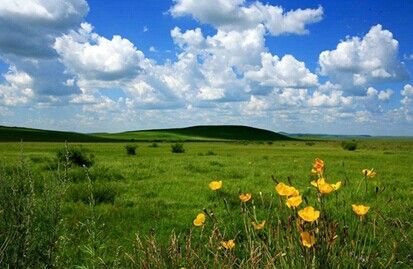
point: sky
(334, 67)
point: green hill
(15, 134)
(195, 133)
(201, 133)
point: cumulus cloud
(333, 99)
(17, 89)
(28, 29)
(407, 94)
(406, 109)
(361, 61)
(286, 72)
(231, 15)
(94, 57)
(208, 93)
(190, 39)
(47, 19)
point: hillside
(199, 133)
(195, 133)
(16, 134)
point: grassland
(157, 192)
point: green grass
(159, 192)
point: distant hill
(195, 133)
(199, 133)
(15, 134)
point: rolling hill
(16, 134)
(195, 133)
(202, 133)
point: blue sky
(342, 67)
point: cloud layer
(224, 77)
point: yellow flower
(215, 185)
(294, 201)
(369, 172)
(285, 190)
(325, 188)
(230, 244)
(309, 214)
(258, 226)
(199, 220)
(360, 210)
(307, 239)
(337, 185)
(245, 197)
(317, 182)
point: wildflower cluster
(308, 223)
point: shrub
(349, 145)
(210, 153)
(154, 145)
(131, 149)
(309, 143)
(78, 156)
(177, 148)
(102, 193)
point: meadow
(139, 211)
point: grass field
(157, 192)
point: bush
(102, 193)
(78, 156)
(309, 143)
(177, 148)
(153, 145)
(349, 145)
(131, 149)
(210, 153)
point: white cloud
(364, 117)
(28, 29)
(286, 72)
(407, 102)
(333, 99)
(360, 61)
(46, 18)
(17, 89)
(208, 93)
(380, 95)
(231, 15)
(237, 48)
(256, 104)
(188, 39)
(407, 90)
(90, 56)
(385, 95)
(407, 94)
(292, 97)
